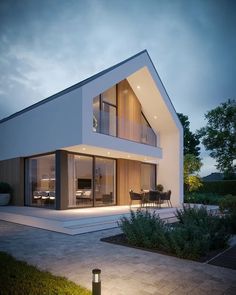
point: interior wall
(12, 172)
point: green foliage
(210, 230)
(192, 165)
(191, 140)
(228, 206)
(143, 229)
(197, 232)
(221, 187)
(160, 187)
(219, 135)
(202, 198)
(17, 277)
(5, 188)
(193, 182)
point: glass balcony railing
(109, 124)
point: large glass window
(40, 181)
(80, 176)
(104, 182)
(104, 112)
(91, 187)
(148, 176)
(117, 112)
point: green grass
(17, 277)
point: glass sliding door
(40, 181)
(104, 182)
(148, 176)
(80, 181)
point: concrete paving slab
(125, 271)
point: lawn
(17, 277)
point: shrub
(209, 227)
(202, 198)
(228, 203)
(196, 233)
(228, 206)
(143, 229)
(221, 187)
(5, 188)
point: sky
(48, 45)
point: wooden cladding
(12, 172)
(128, 177)
(129, 113)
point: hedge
(221, 187)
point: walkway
(125, 271)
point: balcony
(110, 124)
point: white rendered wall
(170, 168)
(50, 126)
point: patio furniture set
(153, 198)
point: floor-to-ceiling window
(105, 112)
(80, 181)
(40, 181)
(118, 112)
(104, 182)
(91, 181)
(148, 176)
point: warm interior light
(84, 149)
(138, 87)
(155, 117)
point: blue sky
(46, 46)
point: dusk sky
(46, 46)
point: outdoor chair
(135, 197)
(166, 197)
(154, 198)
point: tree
(219, 136)
(191, 140)
(192, 166)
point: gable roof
(73, 87)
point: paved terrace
(73, 221)
(125, 271)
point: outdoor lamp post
(96, 284)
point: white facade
(66, 122)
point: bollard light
(96, 283)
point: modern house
(89, 144)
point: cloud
(46, 46)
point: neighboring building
(89, 144)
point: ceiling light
(155, 117)
(138, 87)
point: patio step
(79, 223)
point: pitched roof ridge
(71, 88)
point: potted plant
(160, 188)
(5, 193)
